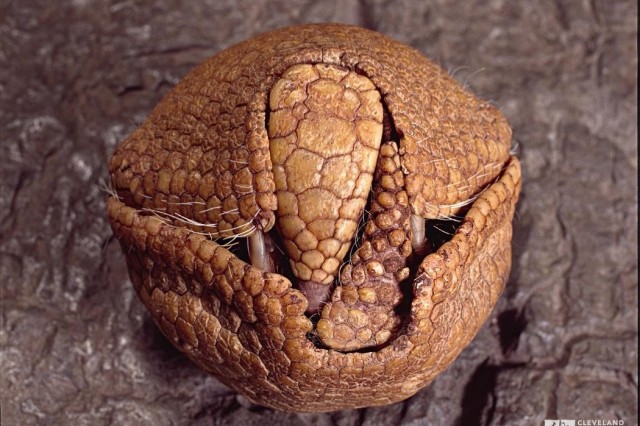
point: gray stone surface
(76, 76)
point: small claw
(418, 236)
(260, 247)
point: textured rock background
(76, 76)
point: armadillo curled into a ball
(319, 216)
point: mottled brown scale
(325, 128)
(362, 310)
(278, 140)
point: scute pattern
(362, 311)
(248, 327)
(325, 129)
(200, 168)
(203, 153)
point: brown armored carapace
(319, 216)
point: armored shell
(332, 150)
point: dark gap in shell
(440, 231)
(237, 248)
